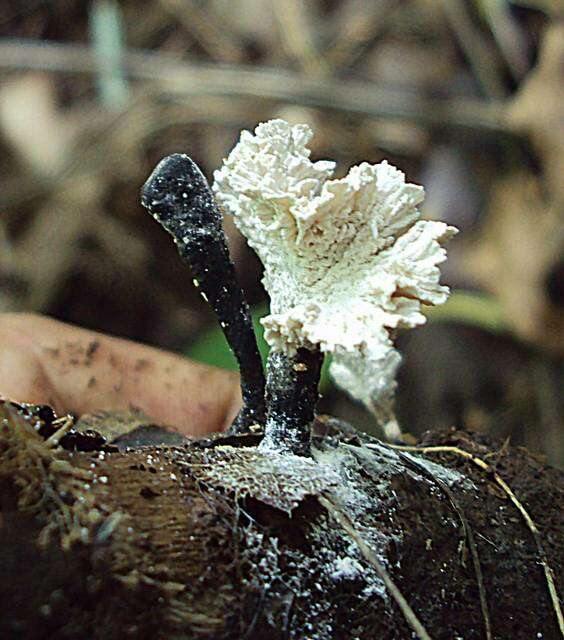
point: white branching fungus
(347, 261)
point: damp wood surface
(115, 530)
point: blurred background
(465, 96)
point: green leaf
(475, 309)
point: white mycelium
(347, 261)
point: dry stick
(178, 196)
(180, 78)
(344, 521)
(297, 36)
(475, 47)
(468, 535)
(54, 439)
(201, 23)
(358, 31)
(548, 572)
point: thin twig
(345, 522)
(477, 50)
(548, 572)
(298, 36)
(180, 78)
(510, 37)
(108, 41)
(201, 22)
(358, 31)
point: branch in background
(206, 28)
(298, 37)
(108, 41)
(480, 54)
(176, 77)
(358, 31)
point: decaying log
(135, 532)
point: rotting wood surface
(214, 539)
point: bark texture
(115, 531)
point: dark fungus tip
(178, 196)
(177, 193)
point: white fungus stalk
(347, 261)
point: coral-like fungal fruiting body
(347, 261)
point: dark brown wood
(218, 539)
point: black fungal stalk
(178, 196)
(291, 397)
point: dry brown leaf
(518, 255)
(538, 109)
(520, 244)
(31, 122)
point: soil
(127, 530)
